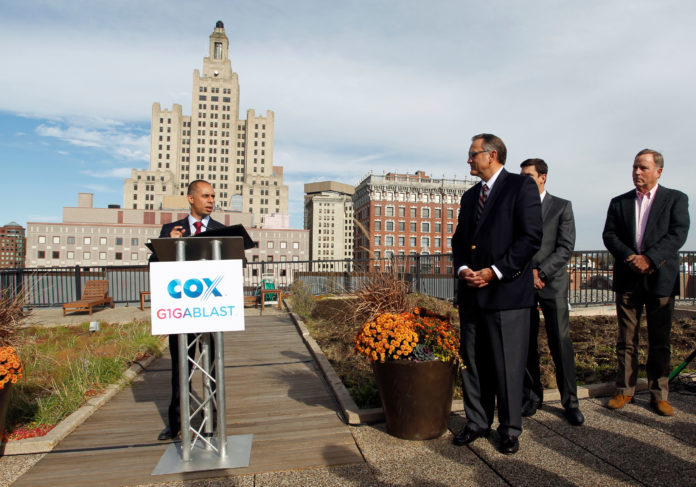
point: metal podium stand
(200, 449)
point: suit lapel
(628, 207)
(546, 205)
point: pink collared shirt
(644, 202)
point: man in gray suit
(644, 231)
(551, 293)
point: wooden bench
(142, 299)
(94, 294)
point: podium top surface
(198, 247)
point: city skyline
(359, 87)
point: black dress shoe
(574, 416)
(508, 444)
(468, 435)
(167, 434)
(529, 407)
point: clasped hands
(640, 263)
(479, 278)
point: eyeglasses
(474, 154)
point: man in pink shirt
(644, 230)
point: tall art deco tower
(213, 143)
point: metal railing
(589, 275)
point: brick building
(406, 214)
(12, 246)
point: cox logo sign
(194, 288)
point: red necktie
(198, 226)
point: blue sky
(356, 87)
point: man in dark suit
(498, 233)
(551, 285)
(644, 230)
(201, 197)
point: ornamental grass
(11, 313)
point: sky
(357, 87)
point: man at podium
(201, 197)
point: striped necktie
(481, 201)
(198, 226)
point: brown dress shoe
(619, 401)
(663, 408)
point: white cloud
(119, 173)
(116, 138)
(381, 85)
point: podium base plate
(238, 453)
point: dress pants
(556, 321)
(174, 412)
(659, 311)
(494, 351)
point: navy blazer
(557, 245)
(507, 236)
(665, 233)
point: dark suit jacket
(167, 227)
(557, 244)
(665, 233)
(507, 236)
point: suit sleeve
(527, 229)
(611, 234)
(458, 241)
(674, 239)
(565, 243)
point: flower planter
(4, 403)
(416, 396)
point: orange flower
(393, 336)
(10, 366)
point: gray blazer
(557, 245)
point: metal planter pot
(416, 397)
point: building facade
(328, 216)
(406, 214)
(235, 155)
(12, 246)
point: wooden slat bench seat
(94, 294)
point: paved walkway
(632, 446)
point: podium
(200, 448)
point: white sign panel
(196, 296)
